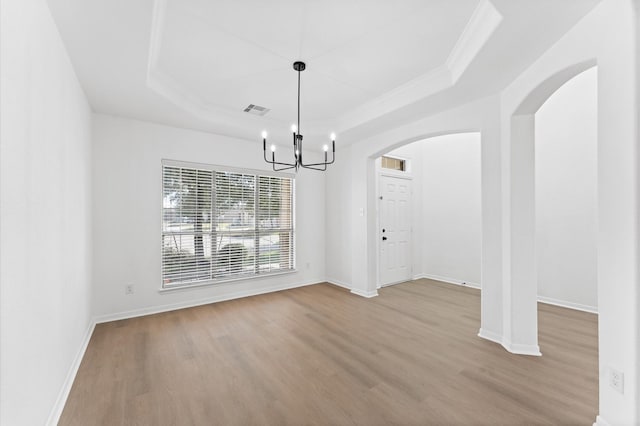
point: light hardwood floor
(319, 355)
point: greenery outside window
(220, 224)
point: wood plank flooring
(319, 355)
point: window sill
(211, 283)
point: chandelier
(297, 142)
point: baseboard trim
(514, 348)
(568, 305)
(56, 412)
(199, 302)
(542, 299)
(338, 283)
(600, 421)
(448, 280)
(491, 336)
(362, 293)
(521, 349)
(358, 292)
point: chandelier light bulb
(325, 148)
(264, 134)
(273, 148)
(294, 128)
(333, 137)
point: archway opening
(566, 229)
(520, 327)
(552, 201)
(428, 211)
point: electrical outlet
(128, 289)
(616, 380)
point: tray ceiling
(200, 63)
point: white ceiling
(199, 63)
(233, 53)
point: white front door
(395, 230)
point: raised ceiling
(199, 63)
(231, 54)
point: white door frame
(399, 175)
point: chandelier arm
(319, 164)
(324, 163)
(281, 164)
(276, 162)
(273, 161)
(265, 157)
(282, 168)
(333, 158)
(315, 164)
(315, 168)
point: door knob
(384, 238)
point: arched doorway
(520, 329)
(373, 195)
(439, 237)
(566, 231)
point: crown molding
(481, 26)
(168, 87)
(484, 21)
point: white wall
(446, 200)
(451, 208)
(127, 204)
(606, 37)
(45, 154)
(566, 199)
(338, 219)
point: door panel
(395, 230)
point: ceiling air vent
(256, 110)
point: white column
(491, 323)
(520, 287)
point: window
(219, 225)
(394, 164)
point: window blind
(275, 224)
(219, 225)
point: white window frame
(217, 168)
